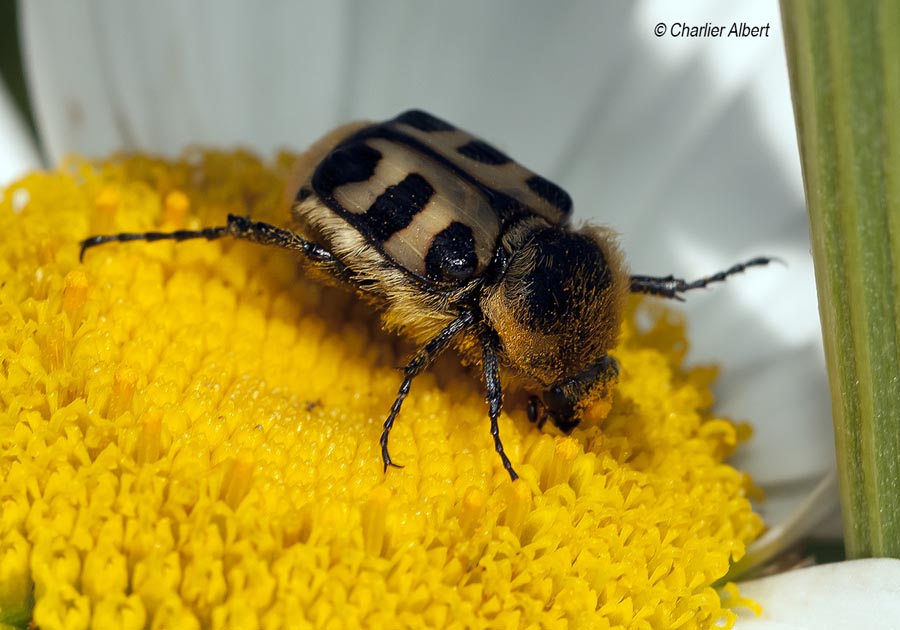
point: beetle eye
(555, 398)
(559, 403)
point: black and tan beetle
(461, 246)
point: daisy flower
(188, 439)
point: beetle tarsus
(178, 235)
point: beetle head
(557, 310)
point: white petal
(732, 190)
(791, 415)
(853, 595)
(17, 152)
(686, 146)
(159, 76)
(792, 510)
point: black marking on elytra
(566, 264)
(395, 208)
(481, 151)
(550, 192)
(507, 208)
(303, 193)
(452, 256)
(349, 163)
(423, 121)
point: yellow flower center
(190, 439)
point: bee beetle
(461, 246)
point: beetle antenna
(672, 287)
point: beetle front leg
(489, 344)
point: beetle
(460, 246)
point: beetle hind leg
(209, 234)
(237, 227)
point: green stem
(844, 64)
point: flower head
(190, 439)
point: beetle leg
(494, 395)
(209, 234)
(237, 227)
(672, 287)
(416, 366)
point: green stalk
(844, 63)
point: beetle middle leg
(416, 366)
(236, 227)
